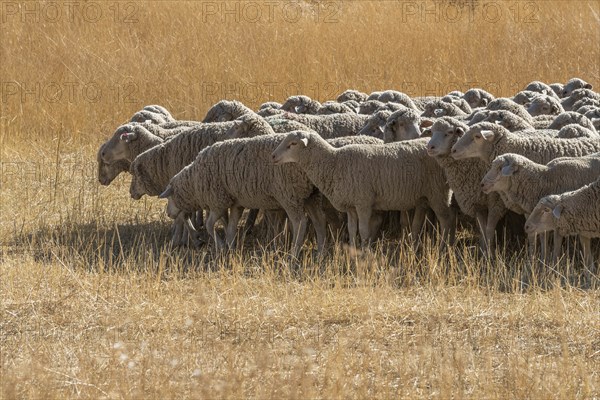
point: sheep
(440, 108)
(544, 105)
(354, 95)
(572, 117)
(359, 179)
(456, 93)
(226, 110)
(478, 97)
(352, 104)
(153, 113)
(508, 120)
(236, 174)
(269, 104)
(586, 101)
(370, 106)
(574, 84)
(577, 95)
(422, 101)
(571, 213)
(332, 107)
(331, 126)
(270, 111)
(132, 139)
(593, 115)
(375, 124)
(541, 87)
(252, 124)
(503, 103)
(459, 102)
(393, 96)
(557, 88)
(479, 115)
(374, 95)
(524, 182)
(487, 140)
(404, 125)
(464, 178)
(301, 105)
(572, 131)
(524, 97)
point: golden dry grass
(93, 303)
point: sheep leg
(586, 244)
(352, 227)
(299, 221)
(317, 216)
(417, 223)
(235, 213)
(447, 218)
(213, 217)
(250, 221)
(177, 232)
(364, 219)
(490, 229)
(558, 239)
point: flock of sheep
(361, 159)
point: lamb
(571, 213)
(359, 179)
(226, 110)
(541, 87)
(487, 141)
(331, 126)
(404, 125)
(440, 108)
(154, 113)
(524, 182)
(503, 103)
(544, 105)
(577, 95)
(301, 105)
(478, 97)
(234, 175)
(353, 95)
(464, 178)
(572, 117)
(375, 124)
(574, 84)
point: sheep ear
(527, 105)
(508, 170)
(458, 131)
(426, 123)
(484, 102)
(305, 141)
(487, 135)
(556, 211)
(587, 86)
(438, 111)
(168, 192)
(128, 136)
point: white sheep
(440, 108)
(571, 213)
(237, 174)
(359, 179)
(301, 104)
(403, 125)
(572, 117)
(541, 87)
(352, 95)
(486, 141)
(464, 177)
(523, 182)
(330, 126)
(478, 97)
(153, 113)
(503, 103)
(557, 88)
(578, 95)
(574, 84)
(226, 110)
(375, 124)
(544, 105)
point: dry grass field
(94, 303)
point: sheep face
(524, 97)
(478, 142)
(108, 172)
(434, 110)
(574, 84)
(575, 96)
(443, 137)
(373, 128)
(117, 148)
(475, 98)
(544, 217)
(290, 149)
(497, 178)
(407, 127)
(542, 105)
(239, 130)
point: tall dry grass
(94, 304)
